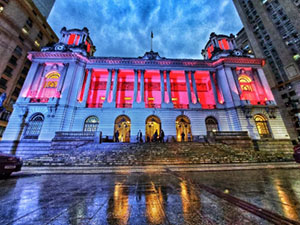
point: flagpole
(151, 39)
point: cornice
(93, 61)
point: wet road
(149, 198)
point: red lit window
(71, 39)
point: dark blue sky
(122, 27)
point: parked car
(297, 153)
(9, 164)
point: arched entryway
(91, 124)
(211, 124)
(183, 129)
(153, 124)
(34, 127)
(262, 126)
(122, 127)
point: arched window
(262, 126)
(91, 124)
(245, 83)
(211, 124)
(50, 85)
(34, 127)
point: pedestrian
(182, 136)
(117, 136)
(161, 136)
(139, 136)
(189, 136)
(155, 135)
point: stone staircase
(128, 154)
(29, 148)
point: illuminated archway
(91, 124)
(34, 126)
(211, 124)
(153, 124)
(49, 88)
(183, 129)
(262, 126)
(122, 126)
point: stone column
(115, 87)
(135, 91)
(136, 104)
(233, 87)
(197, 104)
(170, 104)
(142, 89)
(266, 86)
(31, 77)
(87, 87)
(162, 87)
(214, 88)
(237, 83)
(108, 84)
(187, 80)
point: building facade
(22, 29)
(44, 7)
(273, 31)
(68, 89)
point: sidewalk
(28, 170)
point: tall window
(262, 126)
(211, 124)
(34, 127)
(50, 85)
(91, 124)
(245, 83)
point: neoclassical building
(68, 89)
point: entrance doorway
(183, 129)
(122, 126)
(153, 124)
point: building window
(16, 92)
(40, 35)
(3, 83)
(91, 124)
(245, 83)
(8, 70)
(24, 70)
(21, 81)
(18, 50)
(1, 8)
(211, 124)
(13, 60)
(50, 85)
(29, 22)
(2, 129)
(262, 126)
(34, 127)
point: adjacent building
(71, 92)
(272, 28)
(44, 7)
(22, 28)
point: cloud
(122, 27)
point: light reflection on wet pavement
(145, 198)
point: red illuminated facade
(68, 89)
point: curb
(27, 170)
